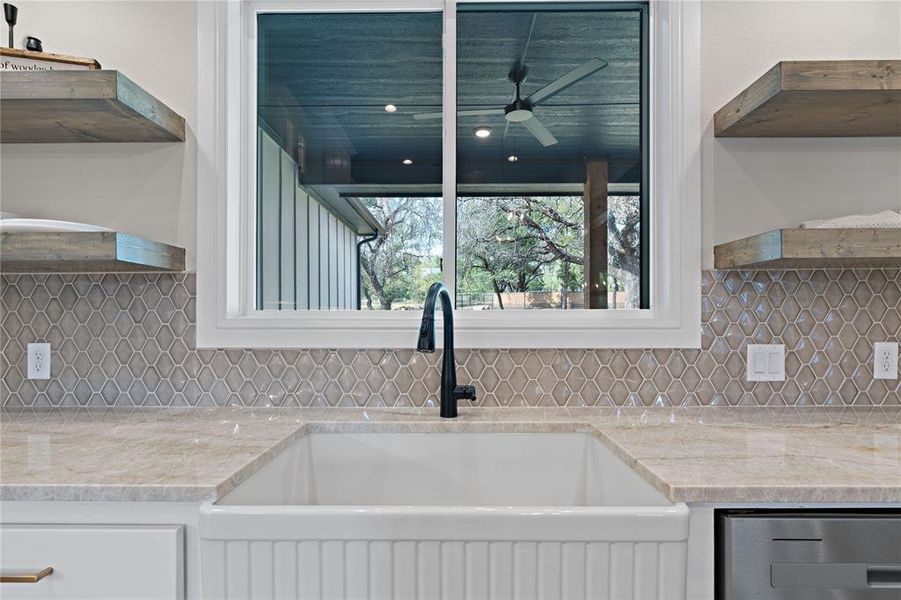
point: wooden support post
(595, 263)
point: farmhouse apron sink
(445, 515)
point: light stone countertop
(717, 455)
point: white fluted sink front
(445, 515)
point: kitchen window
(517, 151)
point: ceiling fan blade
(479, 112)
(541, 133)
(561, 83)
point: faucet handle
(465, 392)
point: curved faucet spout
(450, 391)
(426, 341)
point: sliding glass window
(349, 212)
(551, 158)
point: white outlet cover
(766, 362)
(39, 361)
(885, 360)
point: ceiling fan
(521, 109)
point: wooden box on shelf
(13, 59)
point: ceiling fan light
(408, 161)
(518, 115)
(512, 158)
(390, 108)
(482, 132)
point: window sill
(510, 329)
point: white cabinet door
(99, 562)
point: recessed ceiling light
(390, 108)
(512, 158)
(408, 161)
(482, 132)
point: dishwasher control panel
(808, 555)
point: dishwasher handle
(834, 576)
(884, 576)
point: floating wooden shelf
(41, 107)
(819, 98)
(85, 252)
(812, 249)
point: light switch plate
(766, 362)
(39, 361)
(885, 360)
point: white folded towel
(46, 225)
(887, 219)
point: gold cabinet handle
(25, 577)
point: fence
(527, 300)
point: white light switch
(766, 362)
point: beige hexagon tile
(128, 339)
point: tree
(396, 265)
(532, 243)
(513, 242)
(493, 245)
(624, 244)
(504, 244)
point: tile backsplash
(129, 340)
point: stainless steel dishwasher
(808, 555)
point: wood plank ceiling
(326, 78)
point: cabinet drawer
(94, 561)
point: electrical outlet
(885, 360)
(766, 362)
(38, 361)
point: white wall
(751, 185)
(146, 189)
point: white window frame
(226, 315)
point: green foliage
(518, 244)
(399, 265)
(624, 246)
(504, 244)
